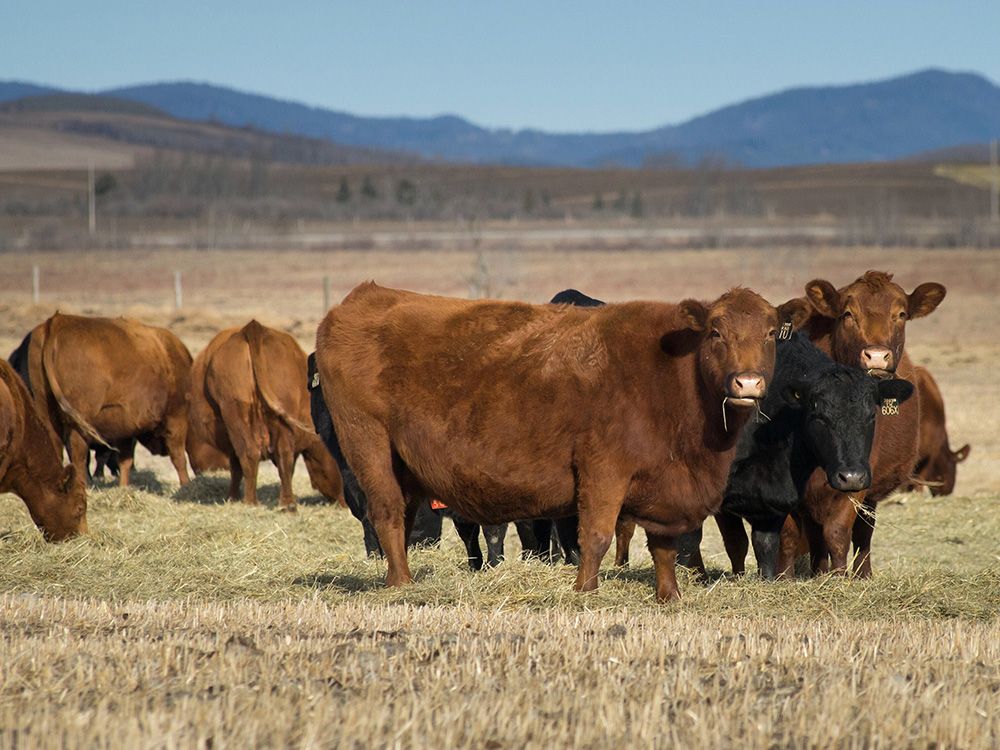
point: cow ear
(924, 299)
(795, 312)
(694, 315)
(962, 453)
(896, 388)
(68, 479)
(824, 298)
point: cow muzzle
(878, 361)
(850, 479)
(746, 388)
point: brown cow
(864, 325)
(250, 400)
(31, 464)
(506, 411)
(937, 463)
(110, 382)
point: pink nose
(748, 385)
(876, 358)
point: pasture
(183, 621)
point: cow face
(942, 469)
(838, 414)
(736, 352)
(869, 318)
(61, 512)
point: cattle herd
(577, 420)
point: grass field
(181, 621)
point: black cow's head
(838, 406)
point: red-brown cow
(110, 382)
(250, 400)
(31, 464)
(506, 411)
(864, 325)
(937, 463)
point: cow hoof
(289, 508)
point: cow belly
(488, 481)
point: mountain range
(884, 120)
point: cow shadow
(213, 489)
(351, 583)
(647, 575)
(146, 480)
(204, 489)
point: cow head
(942, 469)
(60, 512)
(838, 413)
(737, 344)
(869, 318)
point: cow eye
(846, 315)
(903, 315)
(772, 333)
(715, 334)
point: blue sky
(567, 66)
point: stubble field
(182, 621)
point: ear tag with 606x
(890, 407)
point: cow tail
(74, 417)
(253, 332)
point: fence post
(326, 294)
(36, 284)
(178, 291)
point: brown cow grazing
(937, 463)
(110, 382)
(863, 325)
(31, 464)
(250, 400)
(505, 411)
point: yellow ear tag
(890, 407)
(785, 332)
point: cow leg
(542, 528)
(734, 537)
(284, 459)
(469, 534)
(861, 536)
(526, 534)
(837, 535)
(664, 552)
(689, 552)
(126, 459)
(568, 533)
(792, 532)
(175, 436)
(819, 553)
(624, 531)
(372, 546)
(766, 538)
(370, 456)
(495, 535)
(235, 476)
(600, 500)
(249, 463)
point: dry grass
(184, 622)
(182, 619)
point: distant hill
(69, 102)
(67, 130)
(884, 120)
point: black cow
(103, 456)
(817, 415)
(427, 525)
